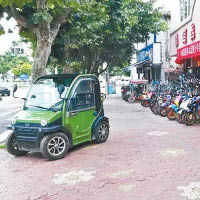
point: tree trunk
(42, 54)
(45, 37)
(67, 69)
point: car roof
(55, 76)
(73, 76)
(58, 76)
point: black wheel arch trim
(61, 129)
(96, 123)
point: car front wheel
(54, 146)
(12, 146)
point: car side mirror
(14, 89)
(61, 89)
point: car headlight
(43, 122)
(13, 121)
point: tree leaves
(9, 61)
(42, 16)
(22, 68)
(1, 30)
(105, 31)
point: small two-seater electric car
(60, 111)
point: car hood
(28, 116)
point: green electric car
(60, 111)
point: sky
(7, 38)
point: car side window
(82, 96)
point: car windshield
(44, 95)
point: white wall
(186, 24)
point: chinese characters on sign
(185, 35)
(193, 32)
(189, 51)
(177, 40)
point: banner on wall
(151, 53)
(189, 51)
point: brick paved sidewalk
(146, 157)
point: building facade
(185, 38)
(151, 59)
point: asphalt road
(9, 107)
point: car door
(81, 111)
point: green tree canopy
(22, 68)
(39, 21)
(84, 34)
(9, 61)
(105, 31)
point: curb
(3, 136)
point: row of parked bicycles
(176, 101)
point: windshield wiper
(39, 107)
(52, 108)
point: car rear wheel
(12, 146)
(102, 132)
(54, 146)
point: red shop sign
(189, 51)
(193, 32)
(177, 40)
(184, 37)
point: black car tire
(54, 146)
(12, 146)
(102, 132)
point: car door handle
(73, 113)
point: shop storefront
(185, 42)
(149, 62)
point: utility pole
(106, 78)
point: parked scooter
(125, 90)
(165, 105)
(183, 108)
(156, 103)
(193, 113)
(147, 99)
(173, 109)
